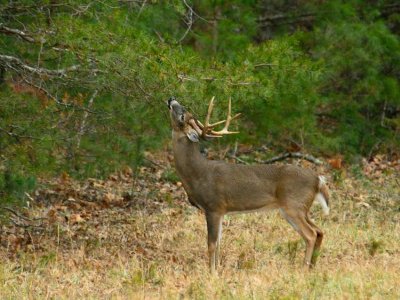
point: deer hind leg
(318, 241)
(299, 222)
(213, 229)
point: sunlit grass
(163, 255)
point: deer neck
(189, 162)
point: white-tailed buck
(220, 188)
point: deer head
(184, 121)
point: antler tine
(211, 125)
(207, 127)
(209, 111)
(216, 123)
(229, 118)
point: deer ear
(193, 136)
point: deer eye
(182, 118)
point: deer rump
(235, 189)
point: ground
(135, 236)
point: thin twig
(238, 159)
(265, 65)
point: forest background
(90, 203)
(83, 84)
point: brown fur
(219, 188)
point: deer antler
(207, 127)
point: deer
(219, 188)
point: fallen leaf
(76, 218)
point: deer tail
(322, 195)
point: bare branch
(188, 20)
(56, 100)
(286, 18)
(15, 213)
(265, 65)
(183, 77)
(12, 31)
(47, 93)
(21, 219)
(159, 36)
(239, 160)
(17, 136)
(141, 9)
(194, 13)
(286, 155)
(83, 124)
(16, 64)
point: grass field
(152, 245)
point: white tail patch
(322, 181)
(320, 198)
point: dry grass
(131, 253)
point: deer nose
(172, 101)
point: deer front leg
(213, 230)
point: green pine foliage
(360, 83)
